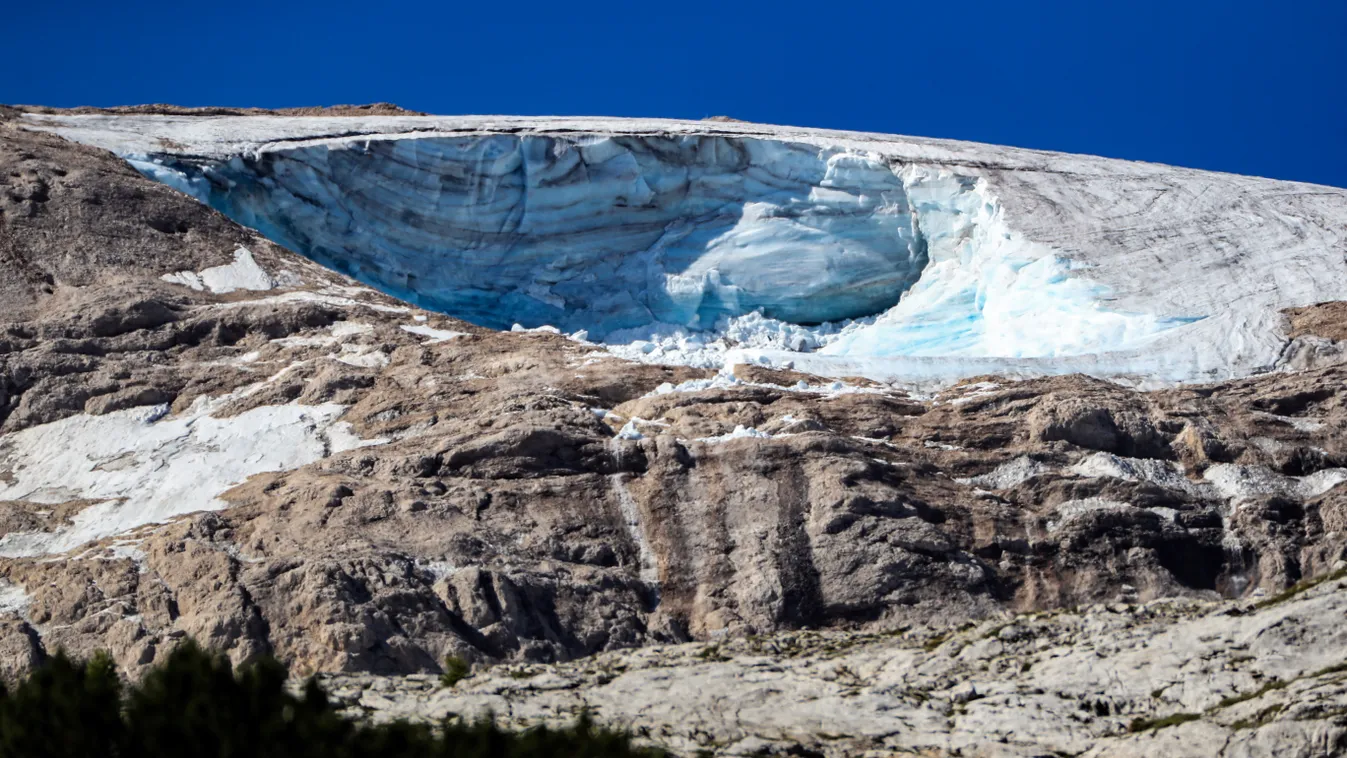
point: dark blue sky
(1249, 86)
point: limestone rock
(725, 563)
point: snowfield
(146, 465)
(899, 259)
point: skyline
(1244, 87)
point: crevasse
(664, 240)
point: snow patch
(1298, 423)
(344, 329)
(242, 274)
(1235, 482)
(327, 298)
(361, 356)
(148, 467)
(544, 329)
(740, 432)
(726, 379)
(973, 392)
(1163, 473)
(13, 598)
(342, 437)
(337, 331)
(437, 569)
(1007, 475)
(603, 414)
(436, 335)
(1075, 508)
(629, 430)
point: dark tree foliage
(64, 709)
(195, 705)
(455, 670)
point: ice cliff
(600, 234)
(840, 253)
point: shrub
(1302, 586)
(1150, 725)
(195, 705)
(455, 670)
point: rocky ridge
(523, 497)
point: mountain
(366, 390)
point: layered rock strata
(204, 434)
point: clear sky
(1249, 86)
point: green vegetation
(712, 654)
(1259, 719)
(1148, 725)
(455, 670)
(196, 705)
(845, 676)
(1275, 684)
(995, 631)
(1336, 668)
(935, 642)
(1299, 587)
(1266, 714)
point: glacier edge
(962, 258)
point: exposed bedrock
(433, 487)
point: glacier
(839, 253)
(600, 234)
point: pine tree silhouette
(195, 705)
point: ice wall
(596, 234)
(634, 238)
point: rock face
(1161, 680)
(202, 433)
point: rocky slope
(1161, 680)
(202, 433)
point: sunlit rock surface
(1160, 680)
(203, 434)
